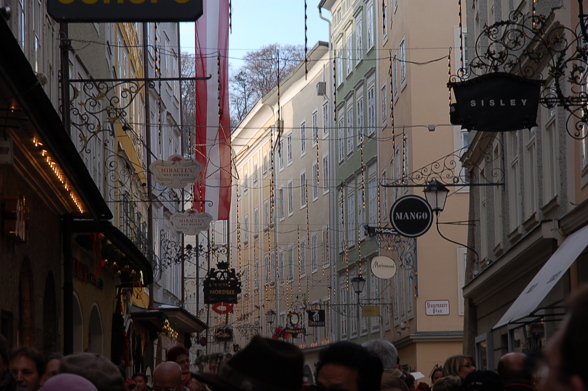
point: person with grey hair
(385, 350)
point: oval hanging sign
(411, 216)
(383, 267)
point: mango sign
(191, 222)
(125, 10)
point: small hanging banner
(496, 102)
(316, 318)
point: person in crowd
(516, 372)
(436, 373)
(566, 353)
(459, 365)
(96, 368)
(447, 383)
(409, 380)
(7, 382)
(27, 366)
(264, 364)
(167, 376)
(349, 366)
(385, 350)
(181, 356)
(482, 381)
(69, 382)
(52, 363)
(392, 382)
(141, 382)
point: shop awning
(527, 304)
(180, 319)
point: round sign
(411, 216)
(383, 267)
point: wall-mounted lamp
(436, 195)
(270, 316)
(358, 284)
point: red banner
(213, 133)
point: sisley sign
(125, 10)
(411, 216)
(496, 102)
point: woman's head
(436, 373)
(459, 365)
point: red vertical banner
(213, 132)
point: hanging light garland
(461, 38)
(305, 41)
(391, 74)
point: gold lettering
(90, 1)
(137, 1)
(66, 1)
(182, 1)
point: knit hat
(263, 365)
(96, 368)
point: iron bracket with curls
(535, 46)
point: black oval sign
(411, 216)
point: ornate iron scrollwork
(534, 47)
(449, 171)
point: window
(246, 229)
(373, 200)
(371, 102)
(402, 49)
(341, 131)
(266, 214)
(302, 256)
(245, 179)
(314, 252)
(550, 158)
(358, 39)
(370, 26)
(339, 64)
(281, 203)
(530, 170)
(384, 100)
(303, 139)
(302, 189)
(349, 53)
(266, 162)
(360, 122)
(290, 262)
(350, 144)
(281, 270)
(325, 247)
(315, 181)
(289, 147)
(268, 268)
(315, 132)
(375, 295)
(281, 153)
(514, 180)
(255, 171)
(351, 218)
(326, 121)
(290, 198)
(343, 301)
(325, 174)
(255, 222)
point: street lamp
(358, 284)
(436, 195)
(270, 316)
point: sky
(258, 23)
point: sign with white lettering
(6, 151)
(383, 267)
(125, 10)
(496, 102)
(176, 172)
(411, 216)
(191, 222)
(436, 307)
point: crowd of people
(272, 365)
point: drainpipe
(332, 193)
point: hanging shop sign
(411, 216)
(372, 230)
(221, 285)
(125, 10)
(383, 267)
(6, 151)
(191, 222)
(316, 318)
(15, 216)
(496, 102)
(436, 307)
(223, 334)
(176, 172)
(222, 308)
(370, 311)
